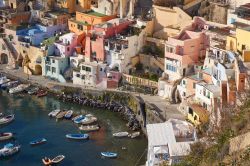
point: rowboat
(78, 119)
(4, 80)
(89, 128)
(69, 114)
(47, 161)
(57, 159)
(134, 135)
(77, 136)
(7, 119)
(9, 149)
(109, 154)
(5, 136)
(1, 114)
(121, 134)
(54, 113)
(88, 120)
(38, 141)
(61, 114)
(41, 93)
(19, 88)
(9, 84)
(33, 90)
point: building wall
(243, 37)
(95, 47)
(17, 19)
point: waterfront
(32, 122)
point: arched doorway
(4, 59)
(38, 70)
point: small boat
(88, 120)
(5, 136)
(68, 114)
(1, 114)
(38, 141)
(3, 80)
(19, 88)
(33, 91)
(89, 128)
(121, 134)
(54, 113)
(77, 136)
(9, 149)
(7, 119)
(57, 159)
(41, 93)
(109, 154)
(9, 84)
(47, 161)
(134, 135)
(61, 114)
(78, 119)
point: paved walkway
(162, 106)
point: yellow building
(197, 114)
(240, 43)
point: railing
(140, 81)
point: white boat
(54, 113)
(57, 159)
(89, 128)
(5, 136)
(9, 149)
(7, 119)
(134, 135)
(88, 120)
(121, 134)
(4, 80)
(19, 88)
(69, 114)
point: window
(83, 68)
(68, 48)
(171, 68)
(53, 69)
(183, 82)
(78, 75)
(48, 68)
(190, 111)
(194, 84)
(195, 117)
(208, 95)
(83, 77)
(88, 69)
(184, 94)
(53, 61)
(80, 27)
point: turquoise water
(32, 122)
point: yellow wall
(243, 38)
(246, 56)
(191, 118)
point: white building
(168, 142)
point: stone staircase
(11, 51)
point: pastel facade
(72, 6)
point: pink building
(94, 48)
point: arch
(4, 59)
(38, 70)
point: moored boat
(54, 113)
(5, 136)
(121, 134)
(10, 84)
(78, 119)
(89, 128)
(69, 114)
(109, 154)
(47, 161)
(58, 159)
(9, 149)
(77, 136)
(3, 80)
(7, 119)
(41, 93)
(88, 120)
(33, 91)
(61, 114)
(19, 88)
(134, 135)
(38, 141)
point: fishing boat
(7, 119)
(33, 91)
(9, 149)
(134, 135)
(109, 154)
(10, 84)
(42, 93)
(77, 136)
(38, 141)
(3, 80)
(54, 113)
(68, 114)
(78, 119)
(121, 134)
(57, 159)
(47, 161)
(89, 128)
(19, 88)
(61, 114)
(5, 136)
(88, 120)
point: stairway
(11, 50)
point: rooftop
(93, 13)
(211, 87)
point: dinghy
(134, 135)
(9, 84)
(89, 128)
(78, 119)
(7, 119)
(1, 114)
(19, 88)
(5, 136)
(61, 114)
(109, 154)
(41, 93)
(77, 136)
(47, 161)
(33, 91)
(69, 114)
(120, 134)
(38, 141)
(54, 113)
(3, 80)
(9, 149)
(89, 120)
(57, 159)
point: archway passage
(38, 70)
(4, 59)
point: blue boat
(69, 114)
(78, 119)
(77, 136)
(109, 154)
(38, 141)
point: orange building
(75, 5)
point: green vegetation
(50, 40)
(93, 13)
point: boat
(3, 80)
(5, 136)
(10, 84)
(47, 161)
(54, 113)
(134, 135)
(7, 119)
(33, 90)
(77, 136)
(57, 159)
(78, 119)
(61, 114)
(1, 114)
(38, 141)
(88, 120)
(68, 114)
(19, 88)
(9, 149)
(109, 154)
(89, 128)
(121, 134)
(42, 93)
